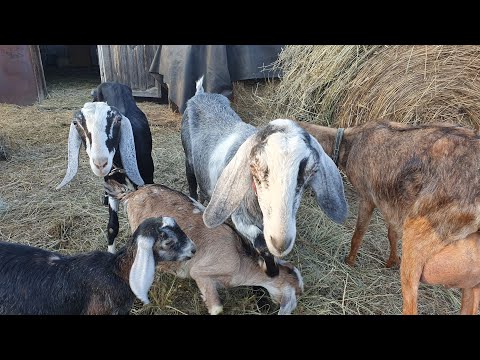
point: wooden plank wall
(129, 65)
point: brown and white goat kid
(425, 180)
(222, 258)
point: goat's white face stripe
(96, 121)
(168, 221)
(217, 160)
(278, 197)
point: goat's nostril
(194, 251)
(100, 164)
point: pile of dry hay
(350, 85)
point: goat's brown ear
(143, 269)
(288, 302)
(231, 186)
(327, 184)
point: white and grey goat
(223, 258)
(255, 175)
(39, 282)
(111, 140)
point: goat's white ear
(74, 143)
(143, 269)
(231, 186)
(288, 303)
(328, 186)
(127, 152)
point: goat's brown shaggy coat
(425, 180)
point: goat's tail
(199, 84)
(118, 186)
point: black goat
(34, 281)
(115, 133)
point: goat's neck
(124, 259)
(251, 274)
(326, 137)
(252, 207)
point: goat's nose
(279, 247)
(100, 163)
(194, 250)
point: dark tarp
(179, 66)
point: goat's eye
(168, 243)
(74, 122)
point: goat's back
(207, 122)
(212, 244)
(427, 171)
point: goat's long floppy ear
(288, 303)
(231, 186)
(74, 143)
(127, 151)
(328, 186)
(143, 269)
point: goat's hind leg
(113, 225)
(365, 210)
(458, 265)
(208, 288)
(393, 236)
(470, 301)
(191, 179)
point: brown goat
(221, 259)
(425, 181)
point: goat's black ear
(94, 96)
(77, 116)
(117, 116)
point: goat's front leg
(365, 210)
(112, 229)
(192, 180)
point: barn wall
(129, 65)
(22, 81)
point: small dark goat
(115, 134)
(34, 281)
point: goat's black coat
(34, 281)
(121, 97)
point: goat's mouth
(279, 248)
(101, 172)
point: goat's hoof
(216, 309)
(393, 262)
(349, 260)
